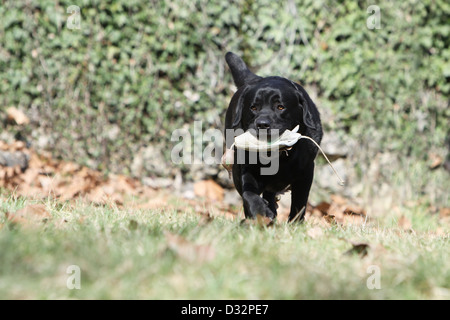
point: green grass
(125, 254)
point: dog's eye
(253, 108)
(280, 107)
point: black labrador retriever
(272, 103)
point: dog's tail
(241, 74)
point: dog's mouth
(267, 135)
(252, 141)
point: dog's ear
(241, 74)
(239, 107)
(307, 106)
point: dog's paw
(255, 205)
(264, 211)
(269, 213)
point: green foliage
(136, 70)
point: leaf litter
(32, 214)
(45, 177)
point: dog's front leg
(300, 192)
(253, 203)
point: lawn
(112, 252)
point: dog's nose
(263, 124)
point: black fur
(273, 103)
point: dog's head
(271, 103)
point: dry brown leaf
(12, 147)
(32, 214)
(316, 213)
(444, 212)
(226, 212)
(323, 207)
(339, 200)
(354, 210)
(154, 203)
(189, 251)
(435, 160)
(317, 219)
(330, 219)
(47, 183)
(122, 185)
(315, 232)
(209, 189)
(404, 223)
(106, 193)
(68, 167)
(30, 176)
(75, 187)
(337, 211)
(14, 115)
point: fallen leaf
(315, 232)
(404, 223)
(323, 207)
(76, 186)
(30, 175)
(14, 115)
(444, 212)
(47, 183)
(316, 218)
(223, 210)
(354, 210)
(339, 200)
(435, 160)
(189, 251)
(32, 214)
(68, 167)
(330, 219)
(209, 189)
(158, 202)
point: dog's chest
(283, 178)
